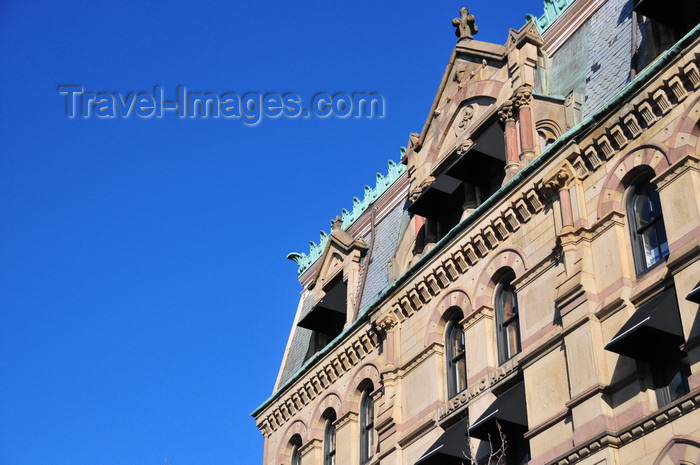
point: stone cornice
(432, 349)
(688, 163)
(318, 379)
(345, 419)
(636, 430)
(483, 312)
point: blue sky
(145, 298)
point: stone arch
(680, 450)
(284, 451)
(368, 371)
(511, 258)
(456, 108)
(686, 137)
(548, 129)
(331, 400)
(442, 312)
(488, 89)
(611, 196)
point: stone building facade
(523, 285)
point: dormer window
(329, 289)
(462, 182)
(661, 25)
(327, 317)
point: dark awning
(652, 331)
(476, 167)
(329, 314)
(449, 449)
(435, 198)
(508, 410)
(682, 12)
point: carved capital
(465, 27)
(386, 323)
(522, 96)
(560, 178)
(505, 113)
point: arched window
(649, 243)
(508, 326)
(296, 450)
(454, 352)
(329, 438)
(366, 424)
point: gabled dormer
(489, 119)
(333, 288)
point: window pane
(513, 339)
(296, 455)
(642, 208)
(647, 226)
(661, 236)
(509, 307)
(650, 247)
(461, 369)
(366, 426)
(456, 367)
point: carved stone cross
(465, 25)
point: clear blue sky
(145, 298)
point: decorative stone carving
(464, 146)
(419, 190)
(693, 75)
(459, 73)
(661, 100)
(467, 116)
(386, 323)
(560, 179)
(465, 27)
(505, 113)
(522, 96)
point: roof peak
(347, 218)
(552, 10)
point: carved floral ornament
(505, 113)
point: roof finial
(465, 25)
(337, 223)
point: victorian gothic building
(522, 286)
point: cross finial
(465, 25)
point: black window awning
(329, 314)
(509, 410)
(476, 167)
(652, 331)
(450, 448)
(436, 197)
(682, 12)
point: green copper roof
(552, 10)
(304, 261)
